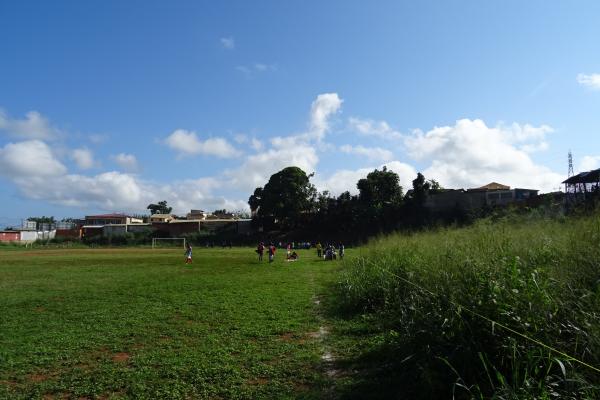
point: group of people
(271, 249)
(330, 252)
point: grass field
(138, 323)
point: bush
(540, 277)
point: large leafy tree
(286, 197)
(379, 199)
(380, 188)
(160, 208)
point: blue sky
(107, 106)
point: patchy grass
(138, 323)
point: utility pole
(570, 173)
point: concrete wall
(29, 236)
(114, 230)
(176, 229)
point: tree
(420, 191)
(255, 199)
(42, 219)
(160, 208)
(286, 196)
(379, 188)
(434, 186)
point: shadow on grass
(373, 361)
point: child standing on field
(188, 253)
(271, 252)
(260, 250)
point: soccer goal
(168, 242)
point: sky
(108, 106)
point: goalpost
(173, 242)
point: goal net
(168, 243)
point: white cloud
(256, 144)
(188, 143)
(372, 153)
(32, 158)
(228, 42)
(369, 127)
(240, 138)
(98, 138)
(256, 68)
(588, 163)
(345, 180)
(126, 161)
(471, 154)
(34, 126)
(293, 150)
(116, 191)
(258, 168)
(591, 81)
(321, 110)
(83, 158)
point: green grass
(539, 277)
(138, 323)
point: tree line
(290, 202)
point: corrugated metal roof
(592, 176)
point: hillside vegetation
(417, 309)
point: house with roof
(582, 186)
(492, 194)
(161, 218)
(95, 224)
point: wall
(10, 236)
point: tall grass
(538, 276)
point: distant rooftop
(495, 186)
(113, 215)
(592, 176)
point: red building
(10, 236)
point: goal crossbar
(154, 240)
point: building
(25, 235)
(582, 186)
(10, 236)
(107, 219)
(492, 194)
(196, 215)
(161, 218)
(122, 229)
(177, 228)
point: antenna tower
(571, 173)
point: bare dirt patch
(257, 382)
(287, 337)
(320, 334)
(37, 378)
(56, 396)
(121, 357)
